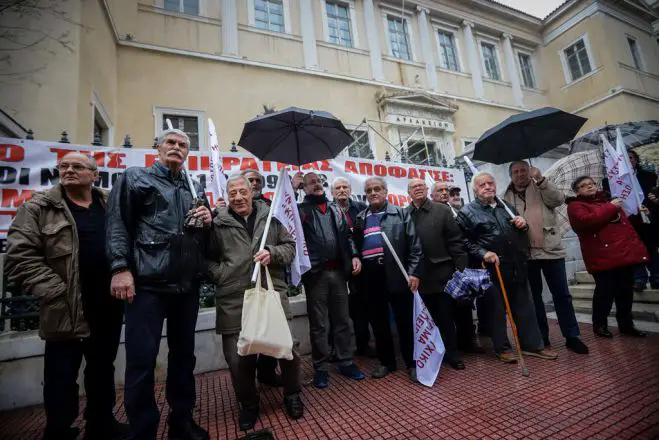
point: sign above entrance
(420, 122)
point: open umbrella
(634, 134)
(295, 136)
(527, 135)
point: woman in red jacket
(611, 249)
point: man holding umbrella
(535, 198)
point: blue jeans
(641, 271)
(554, 271)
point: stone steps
(584, 277)
(585, 292)
(640, 311)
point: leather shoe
(507, 357)
(110, 431)
(186, 429)
(381, 371)
(248, 417)
(603, 331)
(321, 379)
(576, 345)
(633, 332)
(294, 406)
(456, 364)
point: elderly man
(443, 252)
(494, 238)
(233, 250)
(382, 279)
(257, 182)
(334, 259)
(440, 193)
(157, 263)
(536, 198)
(341, 192)
(55, 253)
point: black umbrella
(527, 135)
(295, 136)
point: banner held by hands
(218, 182)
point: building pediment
(416, 100)
(417, 109)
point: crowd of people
(141, 251)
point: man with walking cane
(499, 242)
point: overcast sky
(539, 8)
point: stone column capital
(467, 23)
(422, 10)
(507, 36)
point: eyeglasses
(63, 166)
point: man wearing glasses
(56, 252)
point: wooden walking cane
(525, 371)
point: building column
(512, 69)
(308, 35)
(229, 28)
(474, 62)
(426, 48)
(377, 70)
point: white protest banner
(620, 178)
(289, 216)
(218, 181)
(428, 344)
(28, 166)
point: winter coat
(231, 262)
(607, 237)
(42, 256)
(551, 198)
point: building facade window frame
(159, 112)
(100, 116)
(352, 17)
(201, 7)
(498, 56)
(467, 144)
(286, 6)
(534, 70)
(638, 61)
(567, 72)
(406, 19)
(370, 138)
(437, 29)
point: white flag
(429, 183)
(218, 182)
(428, 345)
(288, 215)
(621, 178)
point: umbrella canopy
(527, 135)
(295, 136)
(634, 134)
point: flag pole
(275, 197)
(393, 252)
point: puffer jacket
(231, 262)
(145, 233)
(397, 224)
(490, 229)
(607, 238)
(42, 256)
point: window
(576, 58)
(101, 130)
(269, 15)
(188, 123)
(418, 154)
(362, 146)
(526, 66)
(190, 7)
(636, 53)
(490, 61)
(448, 58)
(338, 24)
(399, 38)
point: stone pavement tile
(613, 393)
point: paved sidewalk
(613, 393)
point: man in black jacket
(444, 252)
(494, 238)
(382, 279)
(333, 258)
(156, 265)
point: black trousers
(62, 362)
(442, 308)
(614, 285)
(358, 305)
(380, 299)
(144, 322)
(464, 324)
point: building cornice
(616, 91)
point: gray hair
(375, 179)
(517, 162)
(340, 179)
(166, 132)
(435, 186)
(250, 171)
(239, 178)
(92, 161)
(479, 175)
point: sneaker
(186, 429)
(545, 353)
(248, 417)
(352, 372)
(381, 371)
(294, 406)
(507, 357)
(411, 372)
(633, 332)
(576, 345)
(321, 379)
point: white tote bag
(264, 326)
